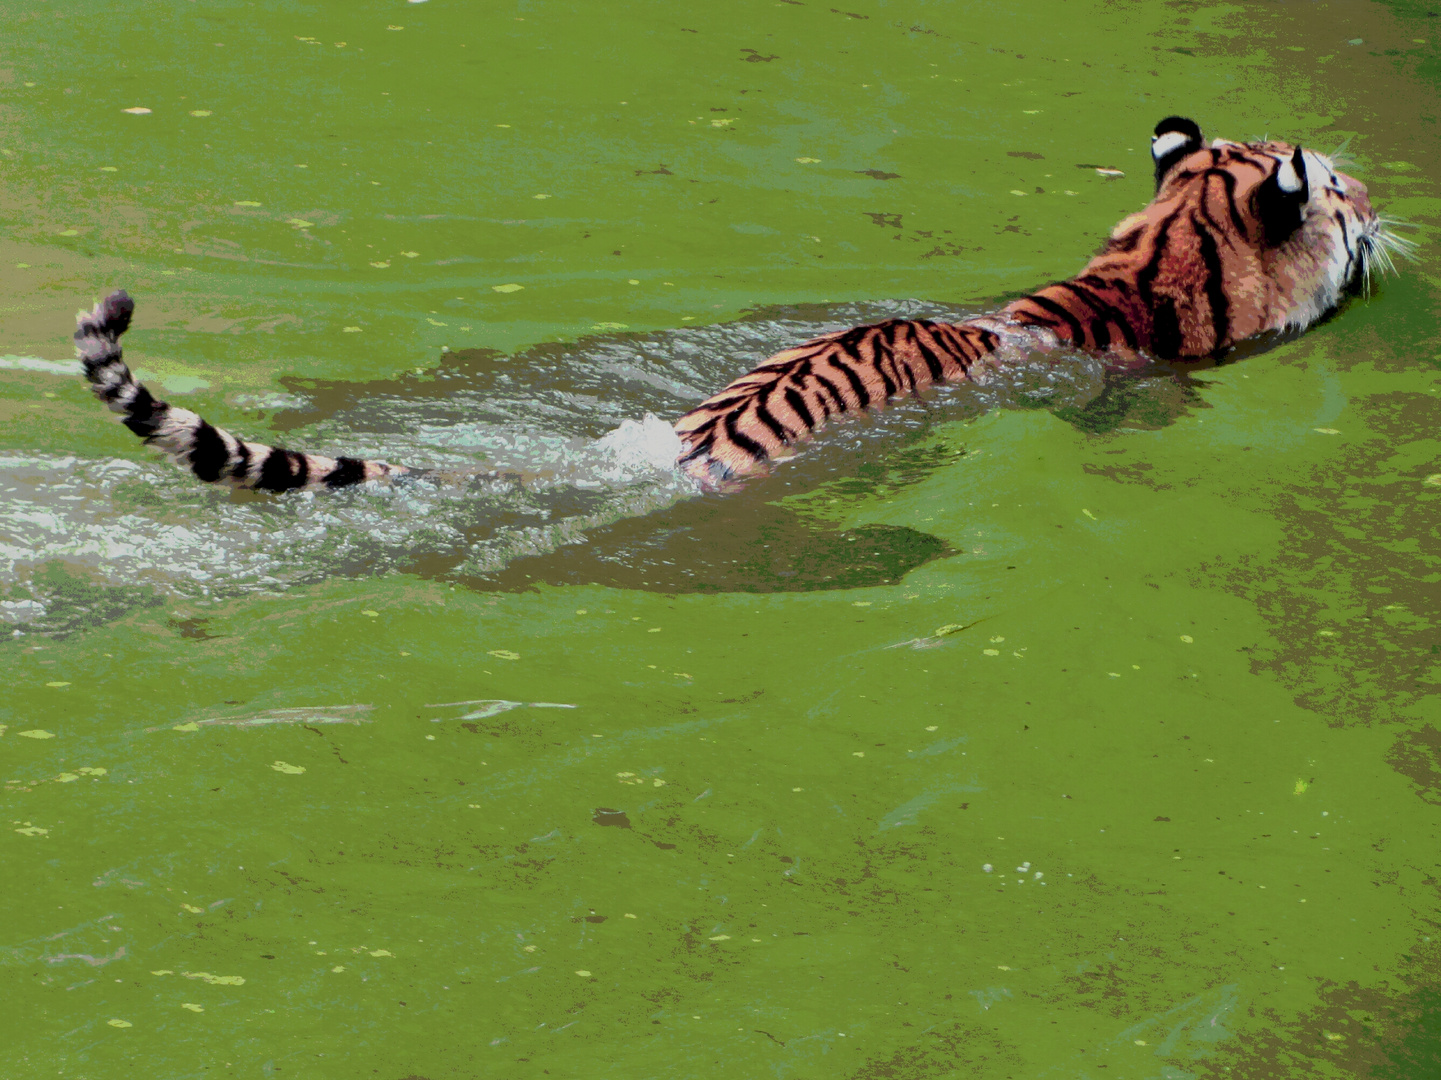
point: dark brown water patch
(605, 815)
(1417, 756)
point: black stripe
(1228, 181)
(208, 453)
(1147, 273)
(347, 471)
(871, 361)
(1346, 241)
(1215, 288)
(1078, 336)
(763, 414)
(116, 390)
(1095, 281)
(798, 403)
(742, 441)
(863, 396)
(833, 390)
(1113, 315)
(145, 413)
(241, 468)
(933, 362)
(282, 471)
(1100, 310)
(1126, 243)
(1165, 329)
(699, 449)
(883, 341)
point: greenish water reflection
(1114, 752)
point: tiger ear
(1175, 138)
(1281, 199)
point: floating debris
(935, 639)
(494, 707)
(318, 714)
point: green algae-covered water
(1081, 728)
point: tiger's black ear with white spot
(1175, 137)
(1281, 199)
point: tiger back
(1241, 240)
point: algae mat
(1086, 733)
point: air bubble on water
(986, 867)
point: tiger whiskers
(1340, 158)
(1379, 244)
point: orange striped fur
(1241, 239)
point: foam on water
(521, 456)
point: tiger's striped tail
(213, 455)
(795, 392)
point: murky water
(1074, 725)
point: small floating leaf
(215, 980)
(199, 112)
(247, 202)
(285, 767)
(122, 1023)
(808, 161)
(36, 733)
(192, 1006)
(508, 288)
(136, 110)
(504, 654)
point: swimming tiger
(1241, 240)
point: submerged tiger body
(1241, 240)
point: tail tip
(110, 318)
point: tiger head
(1298, 233)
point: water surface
(1078, 727)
